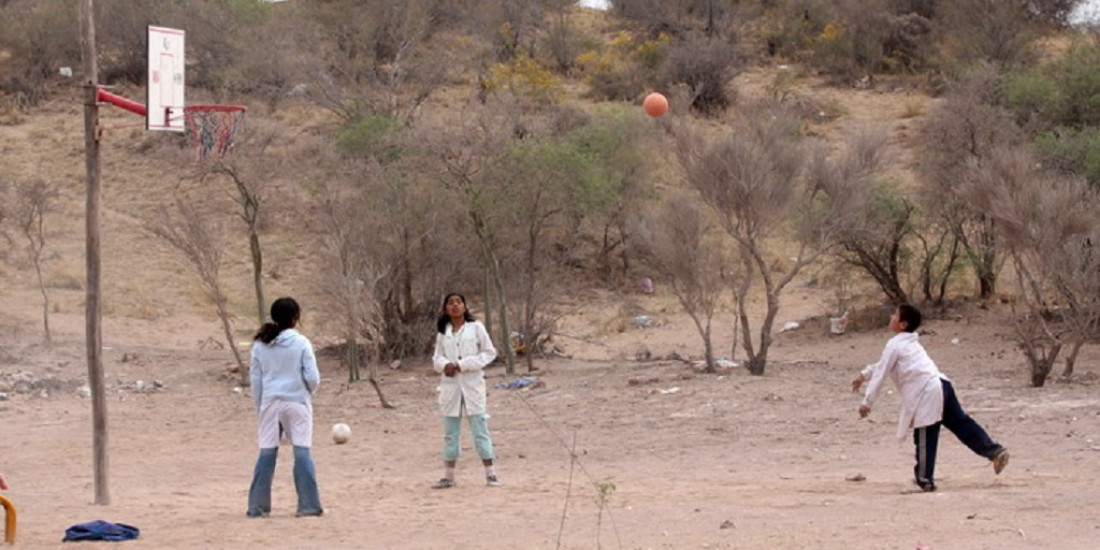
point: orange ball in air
(655, 105)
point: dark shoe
(919, 487)
(309, 514)
(253, 514)
(492, 481)
(1000, 460)
(444, 483)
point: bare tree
(993, 31)
(749, 177)
(251, 168)
(34, 200)
(940, 257)
(201, 239)
(6, 201)
(374, 62)
(872, 238)
(964, 129)
(1049, 226)
(350, 269)
(679, 243)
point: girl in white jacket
(462, 350)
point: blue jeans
(305, 483)
(479, 426)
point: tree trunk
(45, 300)
(1041, 360)
(227, 326)
(498, 279)
(756, 364)
(372, 376)
(257, 272)
(1071, 358)
(708, 349)
(352, 356)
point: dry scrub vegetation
(496, 147)
(885, 150)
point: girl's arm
(256, 375)
(310, 373)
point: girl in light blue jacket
(284, 376)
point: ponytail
(284, 314)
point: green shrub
(1072, 151)
(371, 136)
(1078, 76)
(1030, 94)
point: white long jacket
(916, 377)
(472, 350)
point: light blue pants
(305, 482)
(479, 426)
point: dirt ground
(684, 460)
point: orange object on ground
(9, 520)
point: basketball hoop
(212, 127)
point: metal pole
(92, 312)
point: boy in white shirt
(927, 399)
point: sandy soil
(686, 460)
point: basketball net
(213, 127)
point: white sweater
(915, 376)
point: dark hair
(284, 314)
(441, 323)
(910, 315)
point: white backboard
(165, 82)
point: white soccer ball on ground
(341, 433)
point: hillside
(48, 143)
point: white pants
(285, 421)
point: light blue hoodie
(285, 369)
